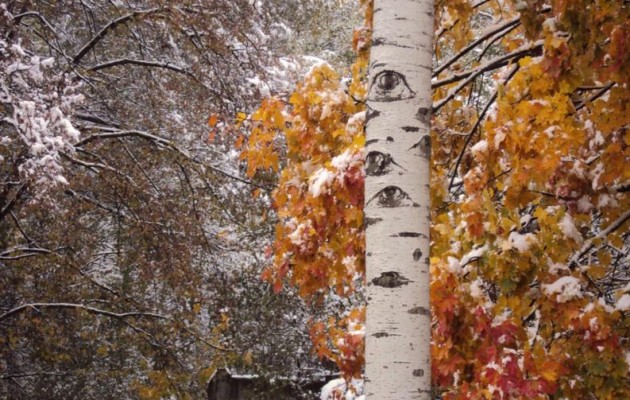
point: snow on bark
(397, 197)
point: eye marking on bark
(417, 254)
(389, 139)
(419, 311)
(418, 372)
(390, 279)
(392, 196)
(389, 86)
(409, 234)
(423, 146)
(377, 163)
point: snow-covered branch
(497, 29)
(166, 143)
(144, 63)
(480, 119)
(101, 34)
(73, 306)
(534, 49)
(589, 244)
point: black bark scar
(419, 311)
(390, 279)
(409, 234)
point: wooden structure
(227, 386)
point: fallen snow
(297, 236)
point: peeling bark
(397, 202)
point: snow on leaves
(319, 196)
(534, 164)
(529, 193)
(37, 104)
(319, 246)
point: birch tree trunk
(397, 201)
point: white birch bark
(397, 201)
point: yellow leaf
(247, 358)
(239, 141)
(550, 370)
(240, 117)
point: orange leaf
(239, 141)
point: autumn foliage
(530, 244)
(319, 246)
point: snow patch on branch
(623, 304)
(566, 288)
(320, 182)
(338, 389)
(519, 242)
(569, 230)
(458, 266)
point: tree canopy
(529, 190)
(129, 242)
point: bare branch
(96, 203)
(7, 208)
(23, 253)
(469, 76)
(44, 21)
(31, 374)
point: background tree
(129, 242)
